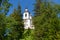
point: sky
(25, 4)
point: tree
(37, 7)
(2, 26)
(18, 27)
(0, 2)
(47, 23)
(10, 34)
(3, 10)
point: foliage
(4, 8)
(2, 26)
(16, 25)
(28, 34)
(47, 24)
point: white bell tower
(27, 19)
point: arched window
(25, 15)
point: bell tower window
(25, 15)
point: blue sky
(25, 3)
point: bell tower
(27, 19)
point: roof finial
(26, 10)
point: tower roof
(26, 10)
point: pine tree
(5, 6)
(18, 27)
(47, 24)
(0, 2)
(37, 7)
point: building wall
(27, 18)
